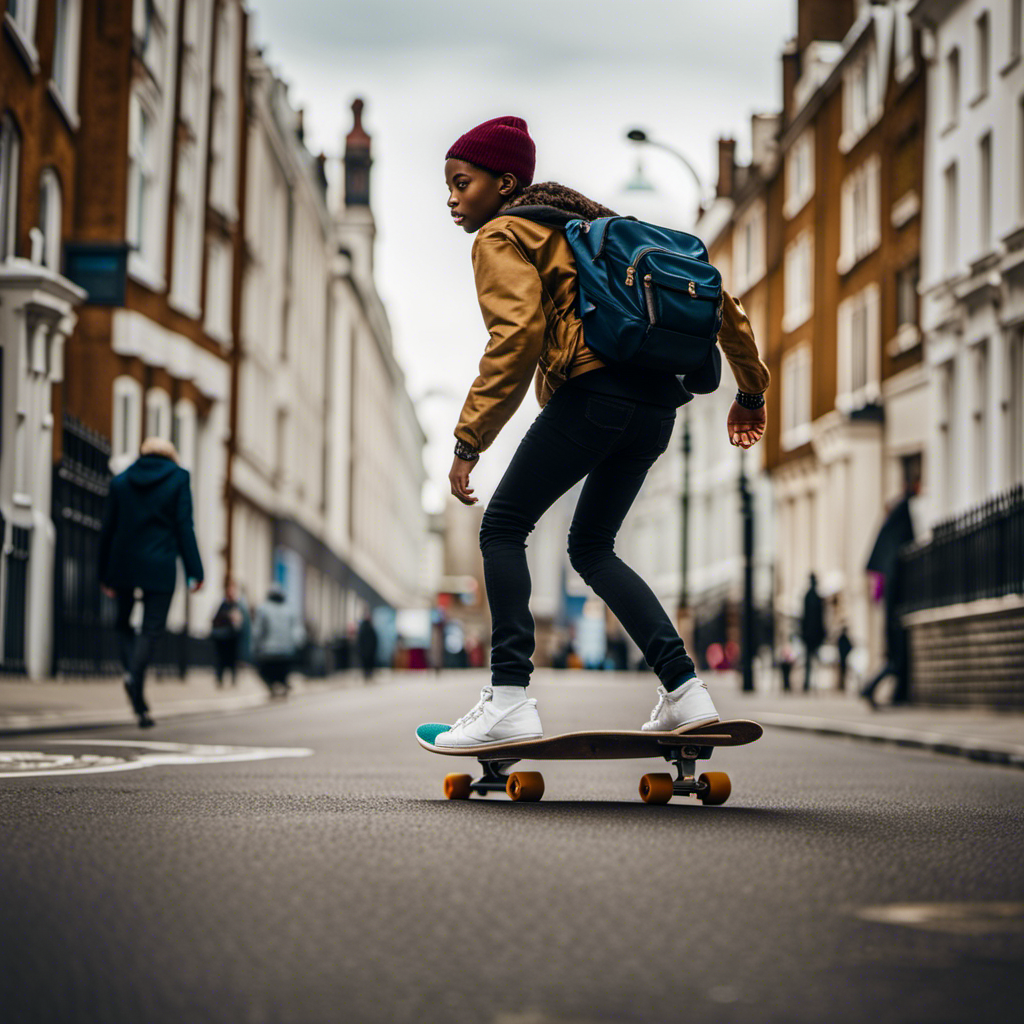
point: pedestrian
(787, 659)
(606, 423)
(226, 634)
(366, 641)
(147, 526)
(812, 627)
(884, 561)
(844, 645)
(277, 636)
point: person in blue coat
(147, 526)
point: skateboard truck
(685, 759)
(494, 778)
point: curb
(988, 751)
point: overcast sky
(581, 72)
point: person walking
(608, 424)
(277, 635)
(226, 633)
(884, 561)
(812, 628)
(844, 645)
(366, 641)
(147, 526)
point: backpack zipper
(649, 294)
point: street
(325, 878)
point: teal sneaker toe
(429, 732)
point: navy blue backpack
(648, 296)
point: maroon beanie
(501, 145)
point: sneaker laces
(476, 711)
(662, 697)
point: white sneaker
(484, 724)
(688, 705)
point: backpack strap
(549, 215)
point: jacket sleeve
(736, 339)
(187, 546)
(109, 525)
(511, 300)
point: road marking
(27, 764)
(954, 918)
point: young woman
(608, 424)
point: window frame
(865, 306)
(798, 308)
(10, 182)
(797, 402)
(126, 435)
(51, 217)
(68, 46)
(800, 187)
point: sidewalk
(982, 735)
(79, 703)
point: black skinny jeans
(137, 650)
(612, 442)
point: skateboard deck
(683, 749)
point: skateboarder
(608, 424)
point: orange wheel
(656, 788)
(456, 787)
(528, 786)
(716, 788)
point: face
(475, 195)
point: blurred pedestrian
(226, 634)
(147, 526)
(884, 561)
(366, 641)
(844, 645)
(812, 627)
(604, 423)
(277, 637)
(787, 659)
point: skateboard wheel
(527, 786)
(715, 788)
(656, 788)
(456, 787)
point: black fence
(83, 621)
(15, 582)
(978, 554)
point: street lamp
(638, 135)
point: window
(979, 424)
(985, 191)
(749, 248)
(904, 43)
(952, 86)
(23, 14)
(860, 214)
(952, 207)
(141, 178)
(183, 277)
(183, 433)
(796, 397)
(947, 413)
(800, 173)
(862, 99)
(1013, 410)
(50, 214)
(218, 290)
(906, 296)
(127, 397)
(158, 414)
(981, 53)
(65, 52)
(10, 169)
(859, 350)
(799, 281)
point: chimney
(357, 161)
(726, 167)
(827, 20)
(790, 76)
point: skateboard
(682, 749)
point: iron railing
(978, 554)
(15, 582)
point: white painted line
(150, 754)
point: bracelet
(463, 451)
(749, 401)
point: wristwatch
(465, 452)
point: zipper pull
(629, 276)
(692, 288)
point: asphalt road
(326, 879)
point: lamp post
(639, 136)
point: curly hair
(551, 193)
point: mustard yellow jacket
(526, 284)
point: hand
(195, 586)
(109, 591)
(459, 479)
(745, 425)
